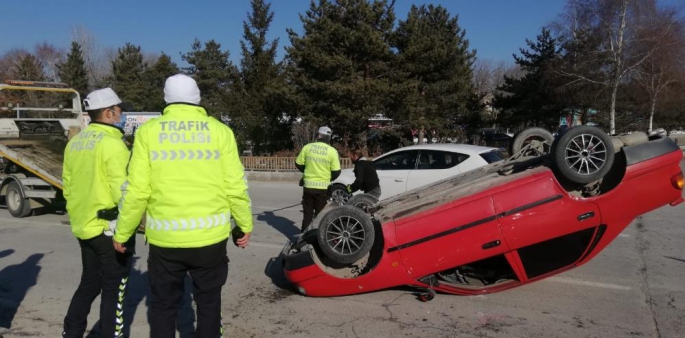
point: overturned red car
(552, 206)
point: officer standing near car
(366, 177)
(186, 172)
(94, 169)
(320, 164)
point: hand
(349, 188)
(119, 247)
(242, 241)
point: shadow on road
(15, 282)
(282, 224)
(5, 253)
(274, 270)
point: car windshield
(493, 156)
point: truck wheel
(17, 205)
(539, 141)
(346, 234)
(362, 201)
(584, 154)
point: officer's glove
(349, 188)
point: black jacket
(365, 174)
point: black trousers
(313, 201)
(167, 267)
(104, 271)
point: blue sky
(495, 28)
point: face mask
(122, 122)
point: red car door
(545, 226)
(447, 236)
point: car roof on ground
(455, 147)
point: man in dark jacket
(366, 178)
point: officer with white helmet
(186, 175)
(95, 163)
(320, 164)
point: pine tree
(341, 66)
(155, 77)
(435, 66)
(73, 70)
(128, 79)
(262, 83)
(530, 100)
(215, 74)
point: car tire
(346, 234)
(523, 137)
(339, 194)
(362, 201)
(17, 205)
(584, 154)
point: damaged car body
(507, 224)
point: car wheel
(339, 194)
(17, 205)
(584, 154)
(362, 201)
(537, 141)
(346, 234)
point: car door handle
(490, 245)
(586, 215)
(399, 180)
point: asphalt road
(634, 288)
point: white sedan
(414, 166)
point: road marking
(586, 283)
(623, 235)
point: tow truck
(36, 121)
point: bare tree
(50, 56)
(617, 26)
(487, 77)
(303, 132)
(97, 59)
(662, 69)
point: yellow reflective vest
(319, 160)
(94, 169)
(186, 172)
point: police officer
(320, 164)
(94, 169)
(186, 175)
(366, 177)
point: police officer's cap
(325, 131)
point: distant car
(497, 227)
(414, 166)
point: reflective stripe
(178, 155)
(188, 223)
(316, 184)
(119, 320)
(124, 188)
